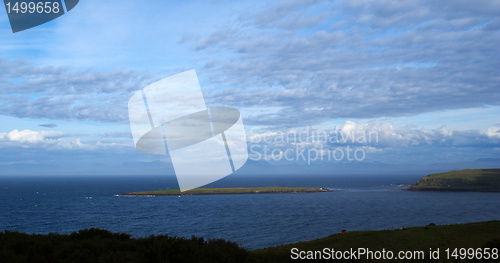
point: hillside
(484, 180)
(414, 239)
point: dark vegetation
(95, 245)
(483, 180)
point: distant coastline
(219, 191)
(472, 180)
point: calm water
(64, 205)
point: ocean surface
(67, 204)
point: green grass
(472, 235)
(209, 191)
(461, 180)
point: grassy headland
(484, 180)
(424, 238)
(218, 191)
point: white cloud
(28, 136)
(493, 132)
(52, 140)
(373, 136)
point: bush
(97, 245)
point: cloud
(312, 61)
(48, 125)
(28, 162)
(55, 141)
(380, 144)
(493, 132)
(366, 59)
(289, 15)
(28, 136)
(375, 135)
(62, 93)
(216, 38)
(118, 135)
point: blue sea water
(67, 204)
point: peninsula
(479, 180)
(219, 191)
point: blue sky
(423, 75)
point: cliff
(483, 180)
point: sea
(65, 204)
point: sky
(389, 86)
